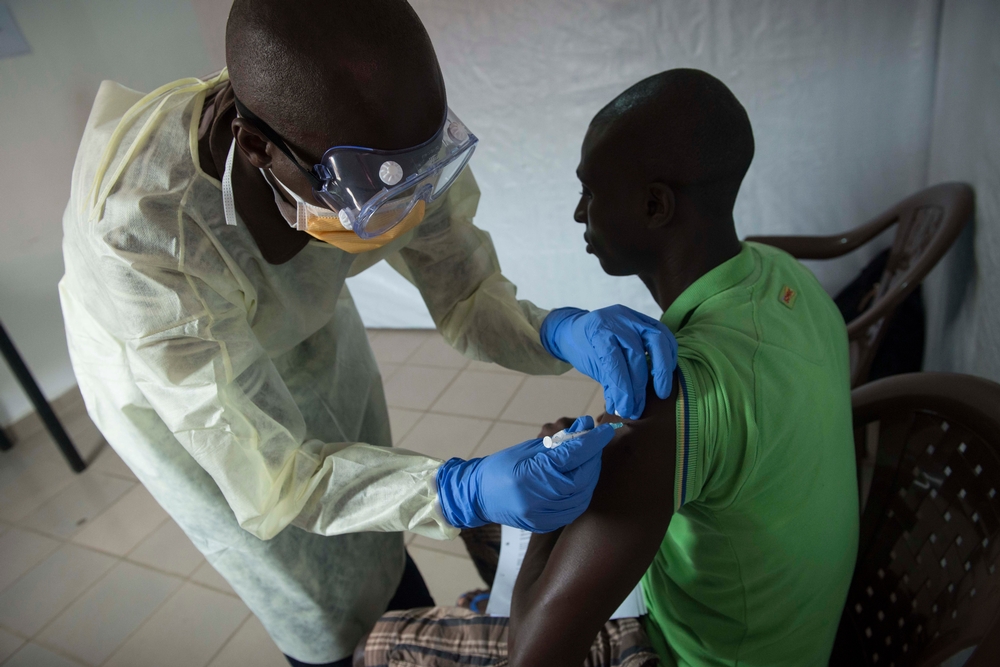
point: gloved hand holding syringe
(529, 486)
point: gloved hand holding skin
(610, 345)
(526, 486)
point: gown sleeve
(454, 265)
(186, 328)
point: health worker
(210, 228)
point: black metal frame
(45, 411)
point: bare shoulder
(572, 581)
(639, 463)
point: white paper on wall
(513, 547)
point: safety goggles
(373, 190)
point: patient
(734, 501)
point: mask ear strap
(276, 139)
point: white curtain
(840, 95)
(963, 292)
(854, 105)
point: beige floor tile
(455, 547)
(475, 394)
(13, 462)
(124, 524)
(417, 387)
(64, 405)
(67, 406)
(38, 596)
(24, 430)
(573, 374)
(20, 551)
(94, 626)
(110, 463)
(206, 575)
(84, 434)
(395, 346)
(168, 549)
(435, 352)
(447, 576)
(544, 399)
(388, 370)
(445, 436)
(250, 647)
(503, 435)
(187, 630)
(9, 643)
(489, 367)
(33, 655)
(82, 501)
(72, 412)
(30, 475)
(401, 421)
(69, 403)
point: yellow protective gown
(244, 395)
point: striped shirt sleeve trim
(687, 437)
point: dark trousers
(412, 592)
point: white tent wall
(839, 94)
(963, 292)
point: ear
(252, 143)
(660, 205)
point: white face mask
(295, 217)
(303, 209)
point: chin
(613, 268)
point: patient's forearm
(539, 550)
(553, 617)
(570, 584)
(594, 564)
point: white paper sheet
(513, 546)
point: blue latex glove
(526, 486)
(610, 345)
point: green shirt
(755, 565)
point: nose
(580, 214)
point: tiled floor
(93, 572)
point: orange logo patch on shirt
(788, 296)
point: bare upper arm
(570, 584)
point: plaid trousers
(458, 637)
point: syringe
(553, 441)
